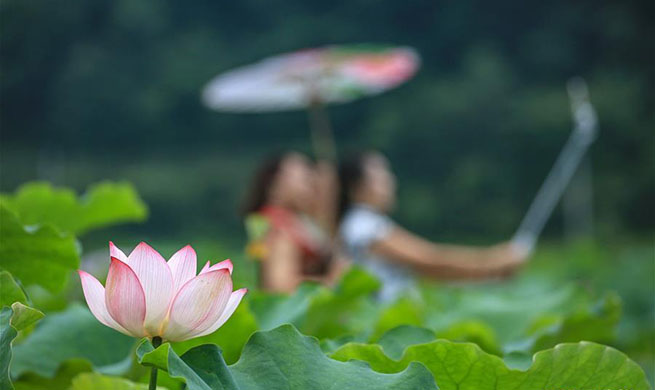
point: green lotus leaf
(7, 335)
(61, 381)
(464, 366)
(72, 334)
(10, 290)
(36, 255)
(24, 316)
(94, 381)
(104, 204)
(278, 359)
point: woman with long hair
(295, 201)
(371, 239)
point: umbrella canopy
(331, 74)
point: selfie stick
(583, 134)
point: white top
(362, 226)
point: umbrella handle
(565, 166)
(321, 131)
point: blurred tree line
(110, 89)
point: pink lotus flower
(145, 296)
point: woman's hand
(503, 260)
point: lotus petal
(232, 304)
(117, 253)
(157, 281)
(124, 298)
(94, 293)
(199, 302)
(183, 266)
(225, 264)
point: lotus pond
(578, 316)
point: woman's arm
(327, 186)
(447, 261)
(281, 269)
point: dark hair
(257, 194)
(351, 173)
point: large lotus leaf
(273, 310)
(39, 255)
(509, 309)
(7, 335)
(278, 359)
(61, 381)
(12, 319)
(464, 366)
(72, 334)
(10, 290)
(319, 311)
(285, 358)
(402, 312)
(202, 367)
(345, 309)
(104, 204)
(475, 332)
(597, 323)
(94, 381)
(395, 341)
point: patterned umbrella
(309, 79)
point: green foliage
(72, 334)
(278, 359)
(509, 321)
(13, 319)
(509, 308)
(263, 361)
(37, 228)
(104, 204)
(93, 381)
(394, 342)
(10, 290)
(201, 368)
(7, 335)
(345, 309)
(466, 366)
(273, 310)
(317, 310)
(36, 255)
(597, 323)
(61, 381)
(24, 316)
(403, 312)
(473, 331)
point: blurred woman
(291, 206)
(372, 240)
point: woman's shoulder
(287, 224)
(363, 214)
(364, 223)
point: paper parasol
(309, 79)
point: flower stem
(156, 342)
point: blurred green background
(111, 90)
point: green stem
(156, 342)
